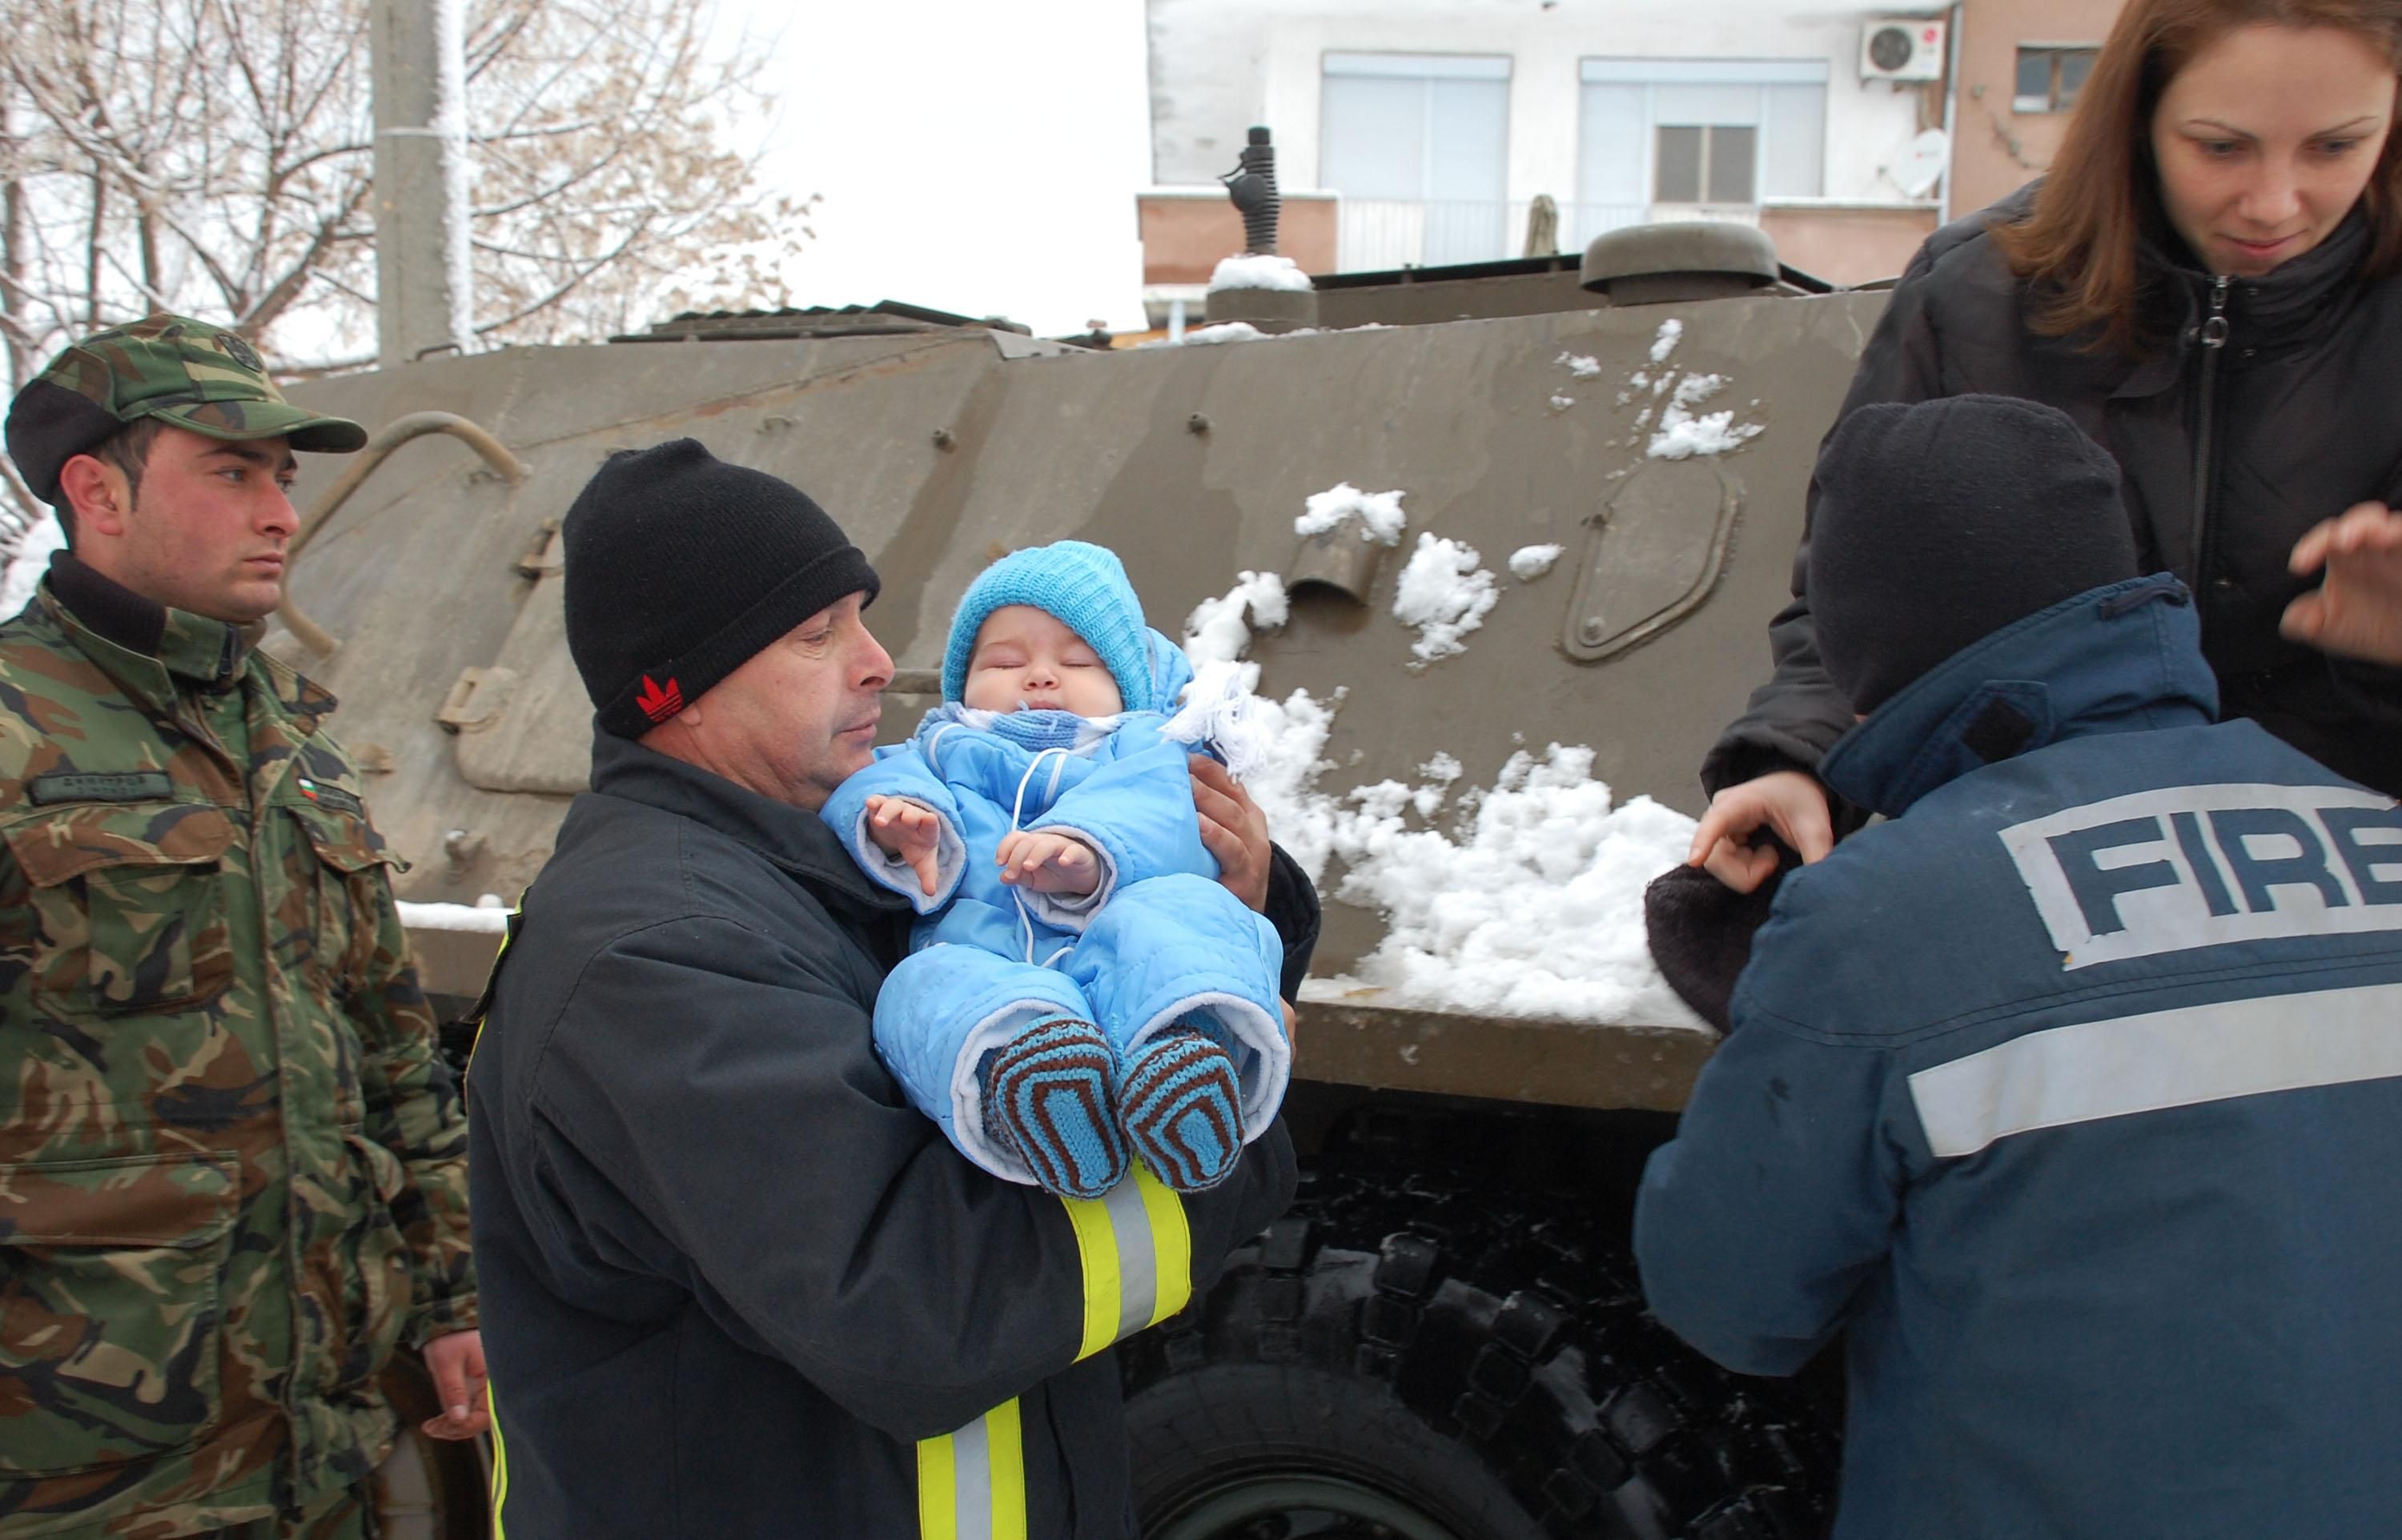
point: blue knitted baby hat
(1083, 587)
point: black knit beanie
(1938, 523)
(680, 567)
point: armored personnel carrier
(1444, 1337)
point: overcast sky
(971, 156)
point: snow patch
(1529, 563)
(1682, 432)
(1219, 630)
(1379, 514)
(1531, 905)
(1260, 272)
(27, 563)
(1562, 403)
(1226, 331)
(1445, 593)
(1583, 365)
(491, 918)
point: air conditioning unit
(1902, 47)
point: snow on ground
(487, 913)
(1672, 331)
(1562, 403)
(1260, 272)
(1529, 563)
(1445, 593)
(1530, 903)
(1217, 631)
(1379, 514)
(27, 565)
(1581, 365)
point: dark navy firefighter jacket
(2073, 1095)
(737, 1287)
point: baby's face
(1026, 659)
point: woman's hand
(1791, 804)
(1233, 830)
(2357, 612)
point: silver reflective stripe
(971, 1478)
(2159, 1060)
(1138, 1259)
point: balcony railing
(1373, 235)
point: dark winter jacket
(737, 1285)
(2075, 1092)
(2230, 452)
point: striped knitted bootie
(1046, 1099)
(1184, 1110)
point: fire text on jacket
(2197, 866)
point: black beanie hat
(1940, 522)
(680, 567)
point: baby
(1079, 984)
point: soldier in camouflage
(232, 1168)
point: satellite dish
(1923, 164)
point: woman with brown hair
(2209, 281)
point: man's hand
(910, 831)
(1786, 800)
(456, 1361)
(1044, 862)
(1233, 830)
(2357, 612)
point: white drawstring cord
(1017, 811)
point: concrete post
(424, 298)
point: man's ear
(98, 494)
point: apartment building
(1421, 132)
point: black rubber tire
(1482, 1360)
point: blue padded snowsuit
(1157, 942)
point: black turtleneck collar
(118, 614)
(210, 653)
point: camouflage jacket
(232, 1169)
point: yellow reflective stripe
(1005, 1443)
(1171, 1245)
(499, 1463)
(1096, 1246)
(492, 976)
(1137, 1251)
(972, 1483)
(937, 1490)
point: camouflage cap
(170, 367)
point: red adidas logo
(659, 704)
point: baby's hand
(1049, 863)
(910, 831)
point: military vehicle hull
(1455, 1281)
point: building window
(1721, 134)
(1704, 163)
(1417, 145)
(2050, 74)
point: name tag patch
(2197, 866)
(125, 786)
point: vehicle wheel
(1400, 1360)
(429, 1489)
